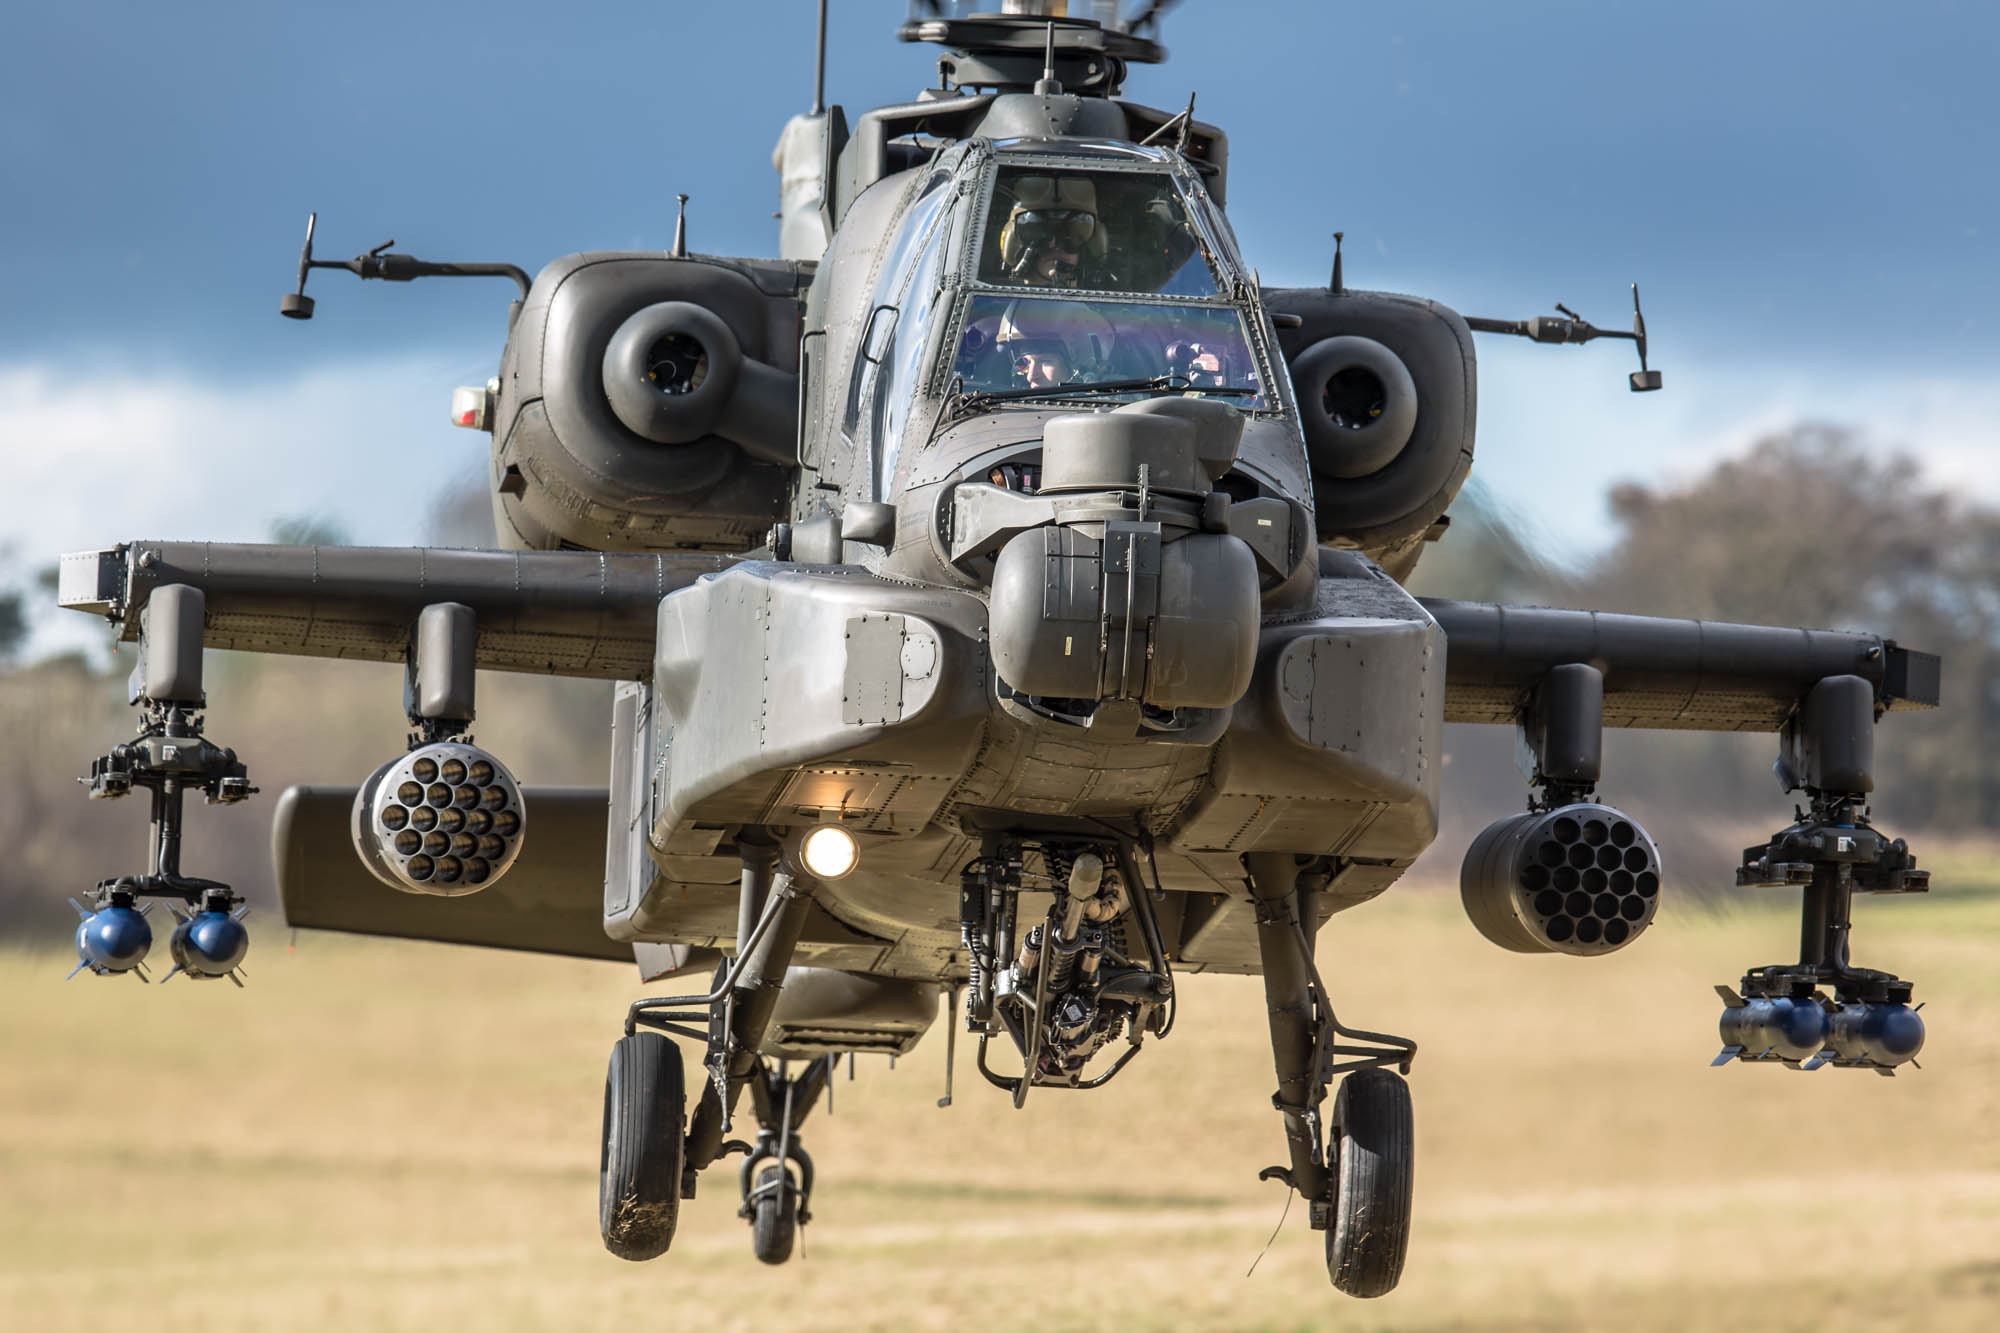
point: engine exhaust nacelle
(1386, 394)
(1579, 879)
(649, 402)
(444, 819)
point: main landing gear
(1358, 1187)
(649, 1162)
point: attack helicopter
(1004, 592)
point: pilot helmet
(1203, 362)
(1052, 354)
(1050, 213)
(1073, 330)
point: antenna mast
(819, 67)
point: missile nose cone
(210, 944)
(113, 940)
(1884, 1034)
(1797, 1028)
(1902, 1032)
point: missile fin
(1728, 1053)
(238, 980)
(1729, 997)
(79, 909)
(78, 968)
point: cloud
(98, 459)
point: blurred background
(1804, 197)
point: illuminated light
(829, 852)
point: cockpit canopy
(1116, 231)
(1090, 275)
(1071, 268)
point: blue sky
(1806, 194)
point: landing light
(829, 852)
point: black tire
(774, 1218)
(639, 1181)
(1373, 1171)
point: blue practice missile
(1874, 1036)
(111, 940)
(1763, 1028)
(210, 944)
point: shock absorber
(975, 932)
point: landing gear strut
(649, 1166)
(1358, 1188)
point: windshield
(1035, 342)
(1113, 231)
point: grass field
(385, 1136)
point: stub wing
(1690, 675)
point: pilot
(1045, 343)
(1203, 364)
(1051, 229)
(1039, 363)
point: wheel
(774, 1216)
(639, 1181)
(1375, 1159)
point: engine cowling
(649, 402)
(445, 819)
(1581, 879)
(1386, 389)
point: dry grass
(387, 1136)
